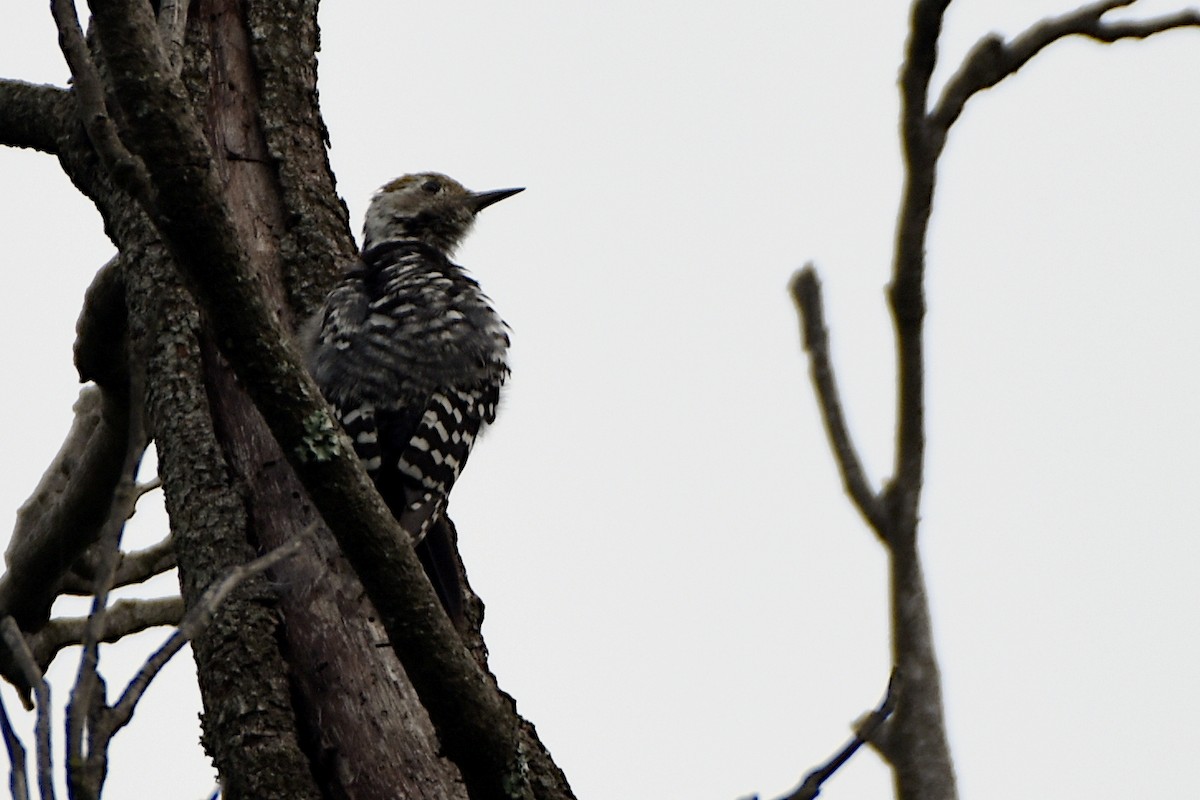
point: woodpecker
(411, 356)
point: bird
(411, 356)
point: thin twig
(18, 777)
(23, 658)
(864, 731)
(147, 487)
(992, 60)
(141, 565)
(806, 293)
(193, 624)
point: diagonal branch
(18, 776)
(865, 731)
(806, 293)
(192, 625)
(992, 59)
(67, 509)
(132, 567)
(125, 168)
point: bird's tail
(438, 552)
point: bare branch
(864, 732)
(141, 565)
(15, 643)
(123, 618)
(192, 625)
(806, 293)
(67, 509)
(906, 294)
(124, 167)
(992, 59)
(919, 62)
(18, 777)
(132, 567)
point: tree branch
(806, 293)
(906, 294)
(921, 760)
(15, 644)
(18, 775)
(66, 511)
(132, 567)
(141, 565)
(192, 625)
(992, 60)
(34, 116)
(124, 617)
(864, 731)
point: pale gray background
(678, 594)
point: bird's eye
(431, 186)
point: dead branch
(193, 624)
(18, 776)
(87, 711)
(864, 731)
(66, 511)
(992, 59)
(141, 565)
(15, 643)
(806, 293)
(123, 618)
(132, 567)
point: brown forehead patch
(413, 179)
(400, 183)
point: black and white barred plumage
(410, 353)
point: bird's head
(427, 207)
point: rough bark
(476, 724)
(249, 724)
(304, 695)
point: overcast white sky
(678, 594)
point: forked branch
(993, 59)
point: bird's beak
(481, 200)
